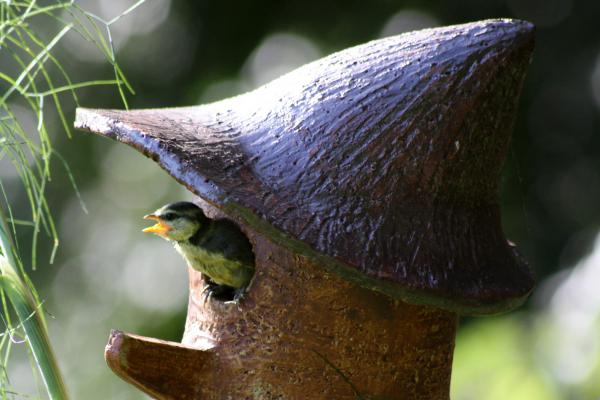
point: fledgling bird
(215, 247)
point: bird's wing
(226, 238)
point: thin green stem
(27, 310)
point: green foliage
(32, 77)
(492, 362)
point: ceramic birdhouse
(367, 183)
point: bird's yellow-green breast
(222, 270)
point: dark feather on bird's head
(177, 221)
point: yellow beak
(160, 228)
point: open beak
(160, 228)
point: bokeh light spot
(595, 81)
(276, 55)
(407, 21)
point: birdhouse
(367, 183)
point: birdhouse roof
(382, 161)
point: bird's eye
(169, 216)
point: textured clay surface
(381, 162)
(301, 333)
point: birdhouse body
(304, 330)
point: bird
(215, 247)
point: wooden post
(367, 184)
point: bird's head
(177, 221)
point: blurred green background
(109, 275)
